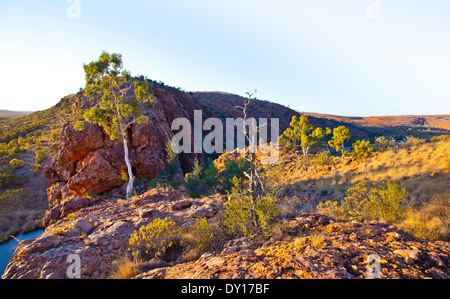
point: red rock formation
(88, 162)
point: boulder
(94, 175)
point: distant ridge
(4, 113)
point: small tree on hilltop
(340, 136)
(114, 113)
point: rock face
(89, 163)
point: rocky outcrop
(325, 249)
(88, 162)
(99, 232)
(310, 245)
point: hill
(395, 126)
(7, 113)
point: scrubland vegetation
(404, 183)
(25, 143)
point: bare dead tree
(250, 156)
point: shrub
(35, 168)
(203, 180)
(16, 164)
(322, 159)
(12, 195)
(154, 239)
(238, 214)
(362, 149)
(384, 202)
(383, 143)
(206, 236)
(331, 208)
(172, 161)
(354, 205)
(440, 138)
(233, 168)
(5, 180)
(411, 140)
(41, 155)
(317, 240)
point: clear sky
(344, 57)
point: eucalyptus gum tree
(117, 110)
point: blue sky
(346, 57)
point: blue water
(7, 249)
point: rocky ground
(306, 245)
(327, 250)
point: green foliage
(16, 164)
(17, 127)
(202, 180)
(412, 140)
(35, 168)
(5, 180)
(205, 179)
(238, 215)
(171, 160)
(386, 202)
(384, 143)
(106, 77)
(322, 159)
(206, 236)
(440, 138)
(355, 202)
(383, 202)
(154, 239)
(12, 195)
(233, 168)
(115, 113)
(340, 136)
(41, 155)
(301, 134)
(362, 149)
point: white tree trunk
(130, 170)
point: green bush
(322, 159)
(384, 143)
(206, 236)
(16, 164)
(362, 149)
(154, 239)
(233, 168)
(172, 161)
(197, 181)
(384, 202)
(12, 195)
(238, 216)
(5, 180)
(41, 155)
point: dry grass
(15, 223)
(317, 240)
(124, 268)
(432, 221)
(425, 168)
